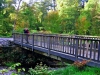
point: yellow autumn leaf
(4, 12)
(13, 16)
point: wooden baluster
(80, 47)
(63, 44)
(70, 45)
(73, 46)
(99, 51)
(87, 48)
(49, 43)
(91, 46)
(14, 36)
(84, 45)
(21, 40)
(76, 48)
(94, 50)
(32, 42)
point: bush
(40, 69)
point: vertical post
(73, 46)
(91, 45)
(21, 40)
(49, 43)
(99, 51)
(14, 36)
(87, 47)
(63, 43)
(76, 48)
(32, 42)
(26, 38)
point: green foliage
(83, 23)
(40, 69)
(5, 24)
(68, 12)
(10, 63)
(3, 71)
(71, 70)
(17, 72)
(13, 67)
(51, 22)
(68, 17)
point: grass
(71, 70)
(68, 70)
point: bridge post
(76, 48)
(63, 43)
(49, 43)
(14, 36)
(32, 42)
(99, 51)
(21, 40)
(87, 47)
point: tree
(69, 12)
(5, 24)
(95, 13)
(83, 24)
(52, 22)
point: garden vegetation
(67, 18)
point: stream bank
(26, 57)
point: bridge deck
(73, 48)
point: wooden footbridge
(64, 46)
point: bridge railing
(76, 46)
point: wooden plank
(99, 52)
(63, 44)
(94, 50)
(32, 42)
(76, 49)
(80, 53)
(91, 45)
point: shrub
(80, 64)
(40, 69)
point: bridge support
(49, 42)
(76, 49)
